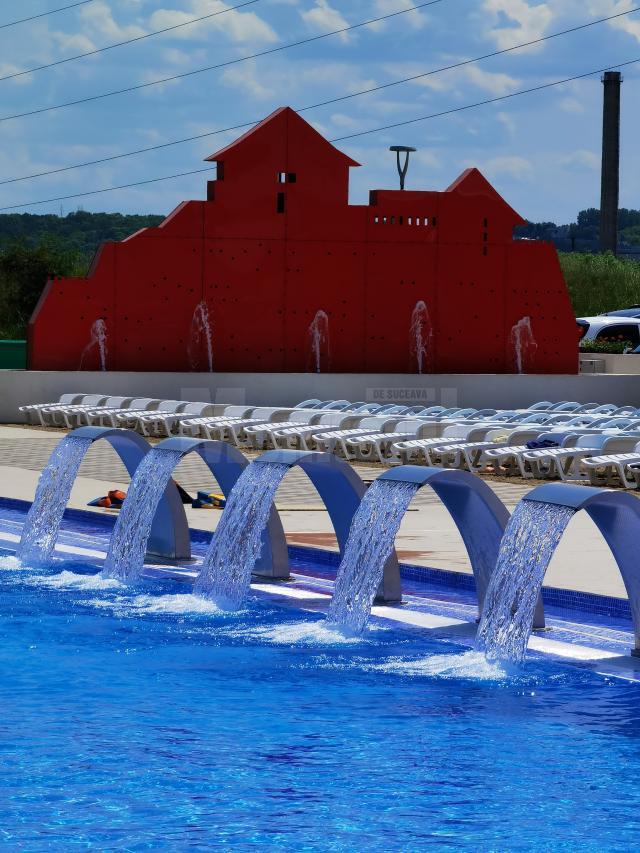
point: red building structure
(277, 272)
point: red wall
(264, 275)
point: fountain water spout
(529, 542)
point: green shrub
(606, 345)
(599, 283)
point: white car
(608, 327)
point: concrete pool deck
(427, 536)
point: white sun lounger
(603, 470)
(415, 450)
(106, 416)
(262, 435)
(302, 437)
(469, 455)
(32, 411)
(564, 462)
(130, 418)
(507, 460)
(333, 441)
(57, 415)
(379, 446)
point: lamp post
(402, 167)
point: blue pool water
(136, 719)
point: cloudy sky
(541, 150)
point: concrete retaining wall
(19, 387)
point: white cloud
(325, 18)
(571, 105)
(416, 20)
(495, 83)
(489, 81)
(526, 22)
(72, 42)
(249, 80)
(507, 122)
(627, 24)
(237, 26)
(99, 18)
(581, 159)
(7, 68)
(513, 166)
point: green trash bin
(13, 355)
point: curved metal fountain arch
(478, 513)
(226, 463)
(341, 490)
(617, 517)
(169, 537)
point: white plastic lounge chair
(204, 412)
(262, 435)
(32, 411)
(103, 416)
(379, 446)
(416, 450)
(302, 437)
(233, 431)
(130, 418)
(162, 424)
(469, 455)
(74, 416)
(507, 460)
(564, 462)
(55, 415)
(333, 441)
(194, 427)
(614, 468)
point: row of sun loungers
(571, 441)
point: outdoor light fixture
(402, 168)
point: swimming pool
(139, 718)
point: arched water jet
(97, 343)
(421, 338)
(125, 558)
(169, 537)
(227, 568)
(319, 345)
(477, 512)
(530, 540)
(200, 336)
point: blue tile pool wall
(310, 559)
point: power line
(44, 14)
(219, 65)
(111, 189)
(127, 41)
(538, 88)
(325, 103)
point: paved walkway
(427, 536)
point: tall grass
(598, 283)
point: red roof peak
(473, 182)
(281, 117)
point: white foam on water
(467, 665)
(300, 633)
(71, 580)
(180, 604)
(13, 564)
